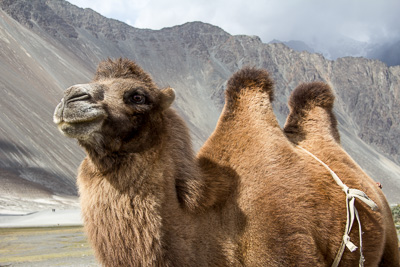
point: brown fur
(249, 198)
(312, 125)
(294, 210)
(307, 97)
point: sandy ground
(57, 246)
(46, 238)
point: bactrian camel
(251, 197)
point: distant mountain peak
(296, 45)
(30, 13)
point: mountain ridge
(196, 59)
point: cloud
(123, 10)
(362, 20)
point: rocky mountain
(296, 45)
(49, 45)
(387, 52)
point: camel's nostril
(78, 92)
(77, 97)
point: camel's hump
(310, 95)
(250, 78)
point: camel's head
(120, 110)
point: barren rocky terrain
(48, 45)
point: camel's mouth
(80, 130)
(78, 119)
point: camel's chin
(81, 129)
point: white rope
(351, 195)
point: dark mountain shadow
(16, 169)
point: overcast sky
(307, 20)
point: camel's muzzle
(78, 114)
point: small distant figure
(53, 210)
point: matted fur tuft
(304, 99)
(121, 68)
(310, 95)
(250, 77)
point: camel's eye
(138, 99)
(137, 96)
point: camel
(250, 197)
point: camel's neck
(122, 212)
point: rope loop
(351, 195)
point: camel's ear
(167, 97)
